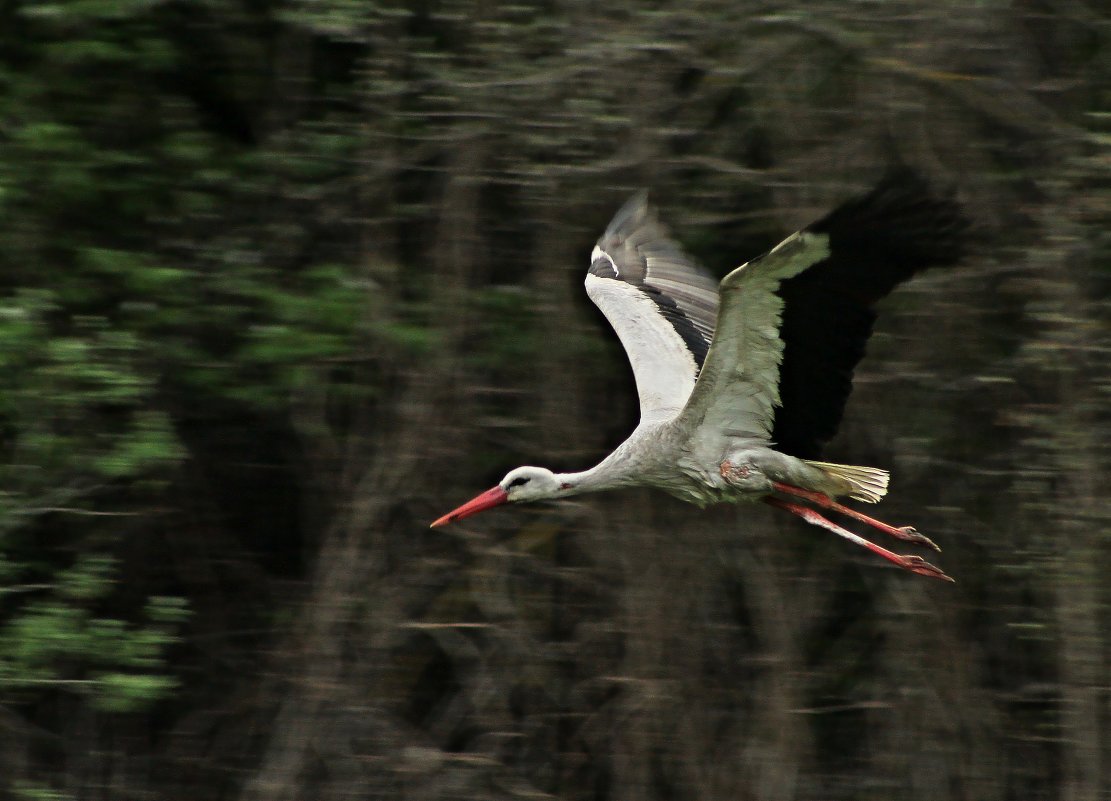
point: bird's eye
(520, 481)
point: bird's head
(521, 484)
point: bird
(742, 383)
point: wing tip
(903, 219)
(633, 213)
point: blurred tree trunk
(1075, 432)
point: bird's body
(742, 383)
(697, 469)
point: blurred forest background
(281, 282)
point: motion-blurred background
(284, 281)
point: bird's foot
(916, 564)
(910, 534)
(905, 533)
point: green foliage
(160, 268)
(80, 406)
(300, 330)
(35, 791)
(140, 291)
(510, 332)
(56, 642)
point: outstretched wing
(793, 324)
(661, 304)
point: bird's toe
(911, 534)
(916, 564)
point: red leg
(915, 564)
(906, 533)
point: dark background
(280, 283)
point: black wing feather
(876, 242)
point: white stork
(741, 384)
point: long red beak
(487, 500)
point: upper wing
(738, 390)
(661, 304)
(793, 324)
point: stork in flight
(742, 383)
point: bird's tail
(867, 484)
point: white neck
(612, 472)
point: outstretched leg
(915, 564)
(906, 533)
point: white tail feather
(867, 484)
